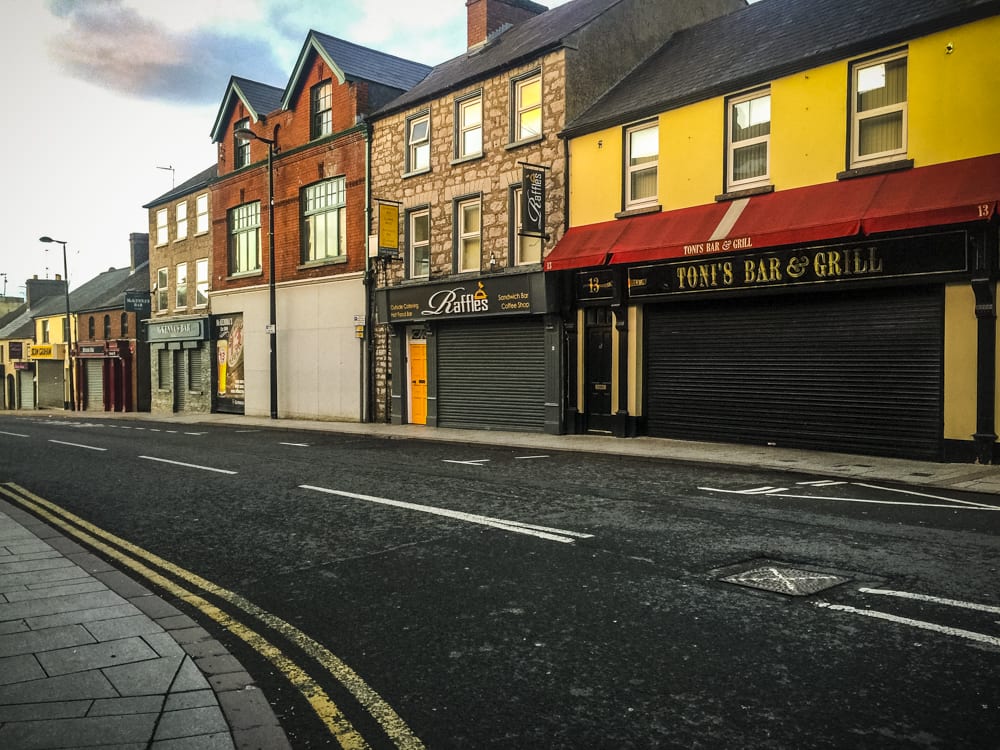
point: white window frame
(201, 211)
(466, 126)
(181, 286)
(522, 244)
(417, 147)
(519, 110)
(324, 207)
(201, 282)
(632, 169)
(162, 289)
(321, 109)
(181, 220)
(162, 227)
(732, 183)
(241, 147)
(422, 246)
(244, 239)
(858, 117)
(466, 237)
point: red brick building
(309, 148)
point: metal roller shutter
(180, 380)
(95, 384)
(491, 376)
(51, 384)
(27, 389)
(861, 373)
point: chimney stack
(486, 16)
(36, 289)
(138, 249)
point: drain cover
(781, 580)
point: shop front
(867, 325)
(50, 390)
(106, 375)
(180, 364)
(479, 353)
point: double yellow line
(327, 711)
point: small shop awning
(952, 193)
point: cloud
(114, 46)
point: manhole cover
(791, 581)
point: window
(469, 235)
(201, 282)
(124, 324)
(161, 289)
(91, 330)
(163, 369)
(107, 327)
(749, 138)
(201, 208)
(526, 249)
(526, 117)
(642, 150)
(419, 236)
(181, 216)
(418, 143)
(469, 124)
(244, 238)
(45, 331)
(321, 107)
(181, 285)
(162, 231)
(241, 148)
(324, 220)
(878, 110)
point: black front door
(597, 359)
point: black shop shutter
(491, 375)
(859, 372)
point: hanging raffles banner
(532, 201)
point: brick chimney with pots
(486, 16)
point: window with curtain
(201, 209)
(201, 282)
(418, 143)
(469, 235)
(878, 110)
(419, 237)
(162, 297)
(162, 230)
(469, 126)
(181, 285)
(642, 152)
(526, 117)
(749, 135)
(181, 213)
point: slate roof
(112, 295)
(357, 63)
(200, 180)
(764, 41)
(523, 42)
(260, 99)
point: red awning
(953, 193)
(956, 192)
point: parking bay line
(943, 629)
(542, 532)
(14, 434)
(190, 466)
(932, 599)
(78, 445)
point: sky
(113, 101)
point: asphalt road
(487, 597)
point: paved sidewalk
(89, 658)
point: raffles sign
(475, 298)
(885, 259)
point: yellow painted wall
(959, 362)
(953, 113)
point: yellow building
(783, 231)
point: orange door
(418, 382)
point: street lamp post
(246, 134)
(69, 322)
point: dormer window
(321, 109)
(241, 148)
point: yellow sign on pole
(388, 230)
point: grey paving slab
(220, 741)
(28, 547)
(27, 563)
(67, 687)
(209, 647)
(87, 731)
(154, 676)
(164, 644)
(65, 546)
(143, 704)
(82, 616)
(13, 626)
(50, 639)
(82, 587)
(246, 709)
(121, 583)
(270, 737)
(191, 699)
(38, 577)
(189, 677)
(123, 627)
(90, 563)
(177, 622)
(190, 635)
(155, 607)
(96, 656)
(45, 710)
(190, 722)
(213, 665)
(232, 681)
(56, 604)
(14, 669)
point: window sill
(745, 193)
(180, 239)
(245, 275)
(630, 212)
(338, 261)
(415, 173)
(886, 166)
(464, 159)
(526, 142)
